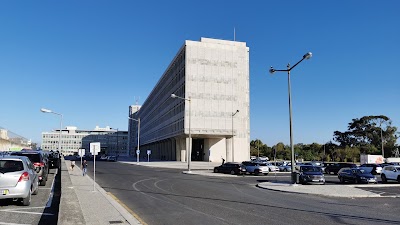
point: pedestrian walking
(72, 165)
(84, 167)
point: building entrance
(198, 150)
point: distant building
(214, 74)
(112, 141)
(10, 141)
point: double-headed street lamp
(233, 152)
(138, 136)
(43, 110)
(189, 155)
(272, 70)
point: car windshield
(7, 166)
(310, 169)
(359, 171)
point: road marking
(2, 223)
(34, 213)
(127, 208)
(48, 204)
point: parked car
(285, 167)
(40, 161)
(390, 173)
(335, 167)
(310, 174)
(230, 167)
(112, 158)
(272, 168)
(18, 179)
(356, 175)
(372, 168)
(255, 168)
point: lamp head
(272, 70)
(173, 96)
(308, 55)
(45, 110)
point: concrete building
(112, 141)
(214, 74)
(10, 141)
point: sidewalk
(83, 203)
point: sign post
(81, 153)
(137, 156)
(209, 154)
(148, 155)
(94, 149)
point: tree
(367, 133)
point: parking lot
(42, 210)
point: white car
(18, 179)
(255, 168)
(390, 173)
(272, 168)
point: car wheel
(285, 170)
(269, 169)
(215, 170)
(383, 177)
(43, 182)
(398, 179)
(356, 181)
(327, 171)
(233, 172)
(341, 180)
(257, 172)
(27, 201)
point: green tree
(365, 133)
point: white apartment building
(112, 141)
(214, 75)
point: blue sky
(89, 60)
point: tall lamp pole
(43, 110)
(189, 155)
(272, 70)
(233, 152)
(138, 136)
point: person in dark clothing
(84, 167)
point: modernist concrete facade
(112, 142)
(214, 74)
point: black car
(310, 174)
(54, 160)
(230, 167)
(335, 167)
(356, 175)
(40, 161)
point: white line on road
(35, 213)
(2, 223)
(48, 205)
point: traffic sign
(137, 152)
(148, 152)
(81, 152)
(95, 148)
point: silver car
(18, 179)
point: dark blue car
(310, 174)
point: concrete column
(228, 149)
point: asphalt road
(166, 196)
(42, 210)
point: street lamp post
(233, 152)
(43, 110)
(272, 70)
(189, 155)
(383, 150)
(138, 136)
